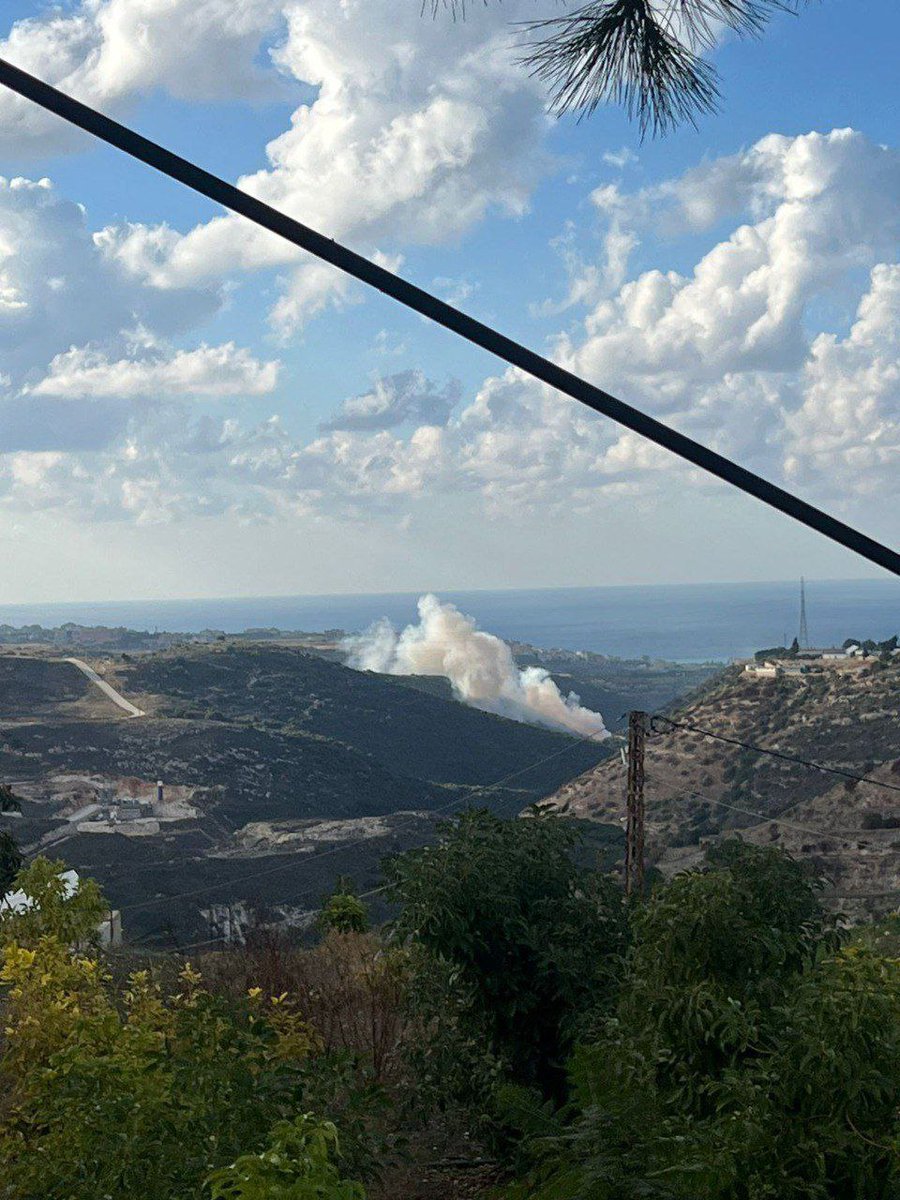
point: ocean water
(683, 623)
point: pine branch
(645, 55)
(620, 51)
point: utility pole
(634, 824)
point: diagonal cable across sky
(442, 313)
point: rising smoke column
(480, 667)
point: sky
(191, 407)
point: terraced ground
(698, 788)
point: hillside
(843, 715)
(271, 759)
(410, 732)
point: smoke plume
(480, 667)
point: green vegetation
(533, 938)
(720, 1039)
(298, 1165)
(10, 861)
(344, 912)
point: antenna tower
(804, 632)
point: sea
(695, 622)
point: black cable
(451, 318)
(828, 835)
(803, 762)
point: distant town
(797, 660)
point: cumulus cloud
(845, 436)
(480, 667)
(415, 133)
(59, 289)
(106, 52)
(395, 400)
(86, 348)
(732, 352)
(226, 370)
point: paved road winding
(116, 697)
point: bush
(52, 907)
(143, 1093)
(297, 1165)
(534, 940)
(749, 1059)
(344, 912)
(351, 988)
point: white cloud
(84, 346)
(732, 352)
(845, 437)
(418, 129)
(396, 400)
(825, 206)
(620, 158)
(61, 290)
(105, 52)
(225, 370)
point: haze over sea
(683, 622)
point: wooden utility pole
(634, 825)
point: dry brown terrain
(843, 715)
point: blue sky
(737, 280)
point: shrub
(344, 913)
(533, 939)
(52, 907)
(145, 1093)
(297, 1165)
(351, 988)
(749, 1060)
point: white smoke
(480, 667)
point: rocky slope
(843, 715)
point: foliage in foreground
(297, 1165)
(531, 939)
(723, 1041)
(141, 1092)
(750, 1057)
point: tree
(54, 907)
(646, 55)
(714, 951)
(750, 1059)
(533, 939)
(343, 911)
(10, 861)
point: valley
(280, 769)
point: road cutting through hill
(107, 688)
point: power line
(763, 818)
(421, 301)
(338, 849)
(803, 762)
